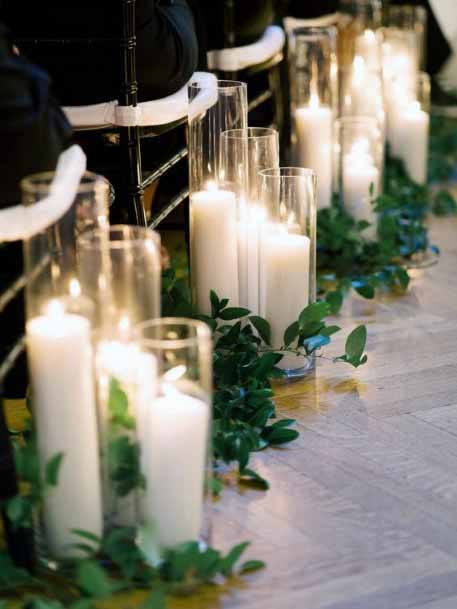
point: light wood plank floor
(362, 510)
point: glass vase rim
(238, 134)
(287, 172)
(44, 180)
(91, 239)
(221, 84)
(407, 6)
(314, 32)
(202, 333)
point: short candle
(174, 463)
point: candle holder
(315, 103)
(359, 22)
(400, 57)
(361, 93)
(213, 197)
(120, 270)
(174, 424)
(412, 19)
(59, 350)
(287, 269)
(244, 153)
(359, 168)
(409, 123)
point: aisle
(361, 513)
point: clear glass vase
(173, 419)
(245, 152)
(359, 169)
(411, 18)
(60, 357)
(213, 195)
(287, 260)
(315, 104)
(120, 270)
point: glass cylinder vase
(245, 152)
(358, 26)
(360, 169)
(213, 197)
(411, 18)
(59, 350)
(120, 270)
(409, 123)
(287, 260)
(315, 103)
(173, 426)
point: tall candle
(314, 145)
(411, 127)
(367, 46)
(360, 175)
(248, 253)
(214, 259)
(174, 462)
(284, 284)
(61, 367)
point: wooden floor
(362, 511)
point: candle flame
(211, 185)
(291, 218)
(314, 101)
(54, 308)
(415, 106)
(369, 35)
(124, 326)
(74, 288)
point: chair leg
(130, 145)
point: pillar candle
(284, 284)
(367, 46)
(248, 257)
(411, 127)
(314, 145)
(61, 367)
(214, 260)
(174, 461)
(359, 173)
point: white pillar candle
(174, 461)
(136, 372)
(367, 47)
(61, 367)
(360, 175)
(411, 140)
(248, 257)
(284, 281)
(313, 125)
(214, 259)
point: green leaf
(92, 580)
(314, 312)
(334, 300)
(251, 565)
(19, 511)
(82, 603)
(215, 305)
(216, 486)
(51, 475)
(118, 406)
(263, 328)
(249, 476)
(355, 343)
(124, 467)
(366, 291)
(276, 436)
(291, 333)
(330, 330)
(231, 313)
(229, 561)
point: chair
(125, 122)
(244, 62)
